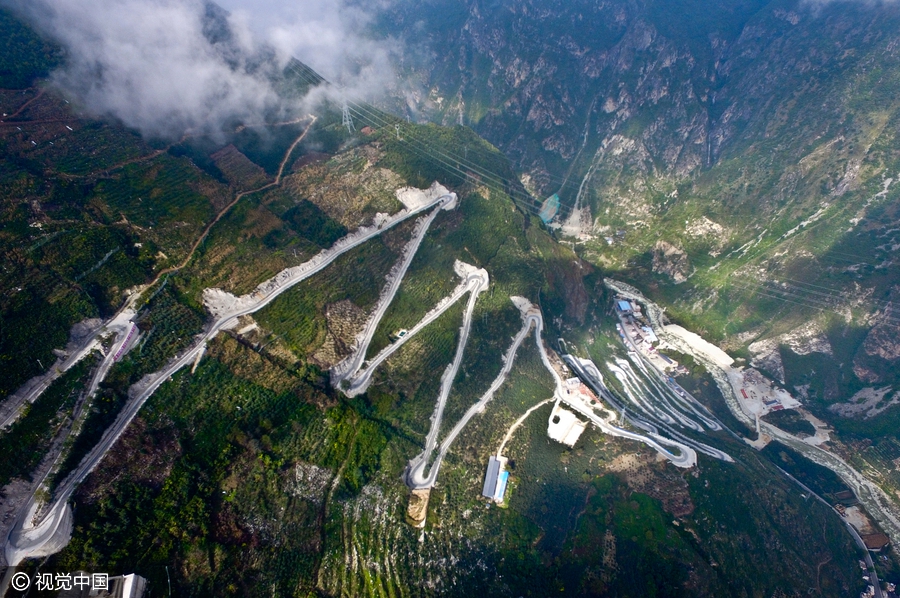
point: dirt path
(39, 94)
(264, 125)
(237, 198)
(518, 423)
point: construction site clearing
(755, 393)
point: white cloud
(328, 36)
(168, 66)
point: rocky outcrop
(867, 403)
(806, 339)
(662, 94)
(880, 351)
(767, 357)
(711, 232)
(671, 261)
(883, 341)
(803, 340)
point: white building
(564, 426)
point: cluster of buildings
(636, 333)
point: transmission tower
(346, 119)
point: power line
(849, 255)
(446, 158)
(450, 161)
(461, 165)
(377, 114)
(816, 286)
(758, 291)
(829, 293)
(802, 300)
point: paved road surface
(872, 497)
(354, 362)
(26, 540)
(415, 472)
(360, 382)
(478, 282)
(30, 391)
(687, 456)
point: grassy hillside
(251, 476)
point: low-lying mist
(169, 67)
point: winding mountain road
(415, 473)
(30, 539)
(875, 500)
(352, 364)
(686, 456)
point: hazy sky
(148, 62)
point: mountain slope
(248, 473)
(738, 163)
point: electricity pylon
(346, 119)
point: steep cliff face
(683, 85)
(551, 82)
(671, 261)
(746, 152)
(880, 351)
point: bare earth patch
(343, 320)
(867, 403)
(350, 188)
(671, 261)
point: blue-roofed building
(649, 334)
(624, 306)
(501, 486)
(495, 479)
(490, 478)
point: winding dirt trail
(21, 108)
(518, 423)
(237, 199)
